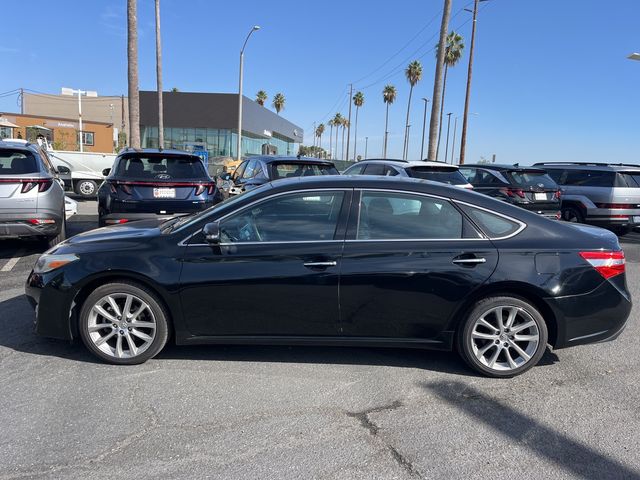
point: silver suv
(607, 195)
(31, 194)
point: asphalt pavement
(308, 412)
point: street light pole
(453, 143)
(366, 147)
(80, 93)
(424, 124)
(239, 146)
(446, 149)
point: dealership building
(209, 121)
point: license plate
(636, 219)
(164, 193)
(540, 196)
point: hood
(127, 231)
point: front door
(408, 263)
(275, 272)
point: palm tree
(159, 78)
(413, 73)
(337, 122)
(278, 102)
(437, 82)
(389, 94)
(358, 101)
(345, 124)
(452, 54)
(261, 97)
(319, 132)
(132, 74)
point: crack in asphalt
(366, 422)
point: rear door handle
(319, 264)
(469, 261)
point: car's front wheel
(123, 323)
(502, 336)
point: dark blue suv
(153, 183)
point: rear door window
(355, 170)
(300, 169)
(632, 179)
(17, 162)
(374, 169)
(591, 178)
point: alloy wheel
(121, 325)
(505, 338)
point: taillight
(116, 221)
(607, 263)
(113, 188)
(558, 215)
(512, 192)
(558, 194)
(43, 185)
(210, 187)
(126, 188)
(200, 189)
(614, 205)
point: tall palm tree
(278, 102)
(337, 122)
(159, 78)
(132, 74)
(261, 97)
(413, 73)
(389, 95)
(452, 55)
(345, 124)
(437, 82)
(319, 132)
(358, 101)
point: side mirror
(106, 172)
(62, 170)
(212, 233)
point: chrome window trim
(183, 242)
(522, 224)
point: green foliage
(312, 151)
(389, 94)
(261, 97)
(278, 102)
(358, 99)
(454, 47)
(413, 72)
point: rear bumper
(116, 218)
(23, 224)
(597, 316)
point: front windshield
(177, 223)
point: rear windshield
(631, 178)
(17, 162)
(452, 176)
(523, 178)
(161, 167)
(287, 170)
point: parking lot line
(12, 261)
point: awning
(39, 127)
(6, 123)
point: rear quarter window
(492, 224)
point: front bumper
(26, 224)
(593, 317)
(117, 218)
(52, 305)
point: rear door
(409, 261)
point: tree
(278, 102)
(337, 122)
(389, 94)
(437, 82)
(261, 97)
(132, 74)
(413, 73)
(358, 101)
(175, 89)
(313, 151)
(319, 132)
(452, 55)
(159, 78)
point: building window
(6, 132)
(88, 139)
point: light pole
(446, 148)
(453, 143)
(366, 147)
(634, 56)
(80, 93)
(424, 124)
(239, 153)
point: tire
(62, 234)
(477, 345)
(101, 214)
(86, 188)
(121, 342)
(572, 214)
(620, 231)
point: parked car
(527, 187)
(151, 183)
(31, 194)
(435, 171)
(339, 260)
(598, 194)
(258, 170)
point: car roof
(19, 144)
(290, 158)
(408, 163)
(611, 167)
(504, 167)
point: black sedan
(154, 183)
(336, 260)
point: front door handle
(320, 264)
(469, 261)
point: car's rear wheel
(503, 336)
(123, 323)
(62, 234)
(572, 214)
(86, 188)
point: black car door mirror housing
(106, 172)
(212, 233)
(62, 170)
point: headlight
(48, 262)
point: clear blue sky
(551, 78)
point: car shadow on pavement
(19, 336)
(569, 454)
